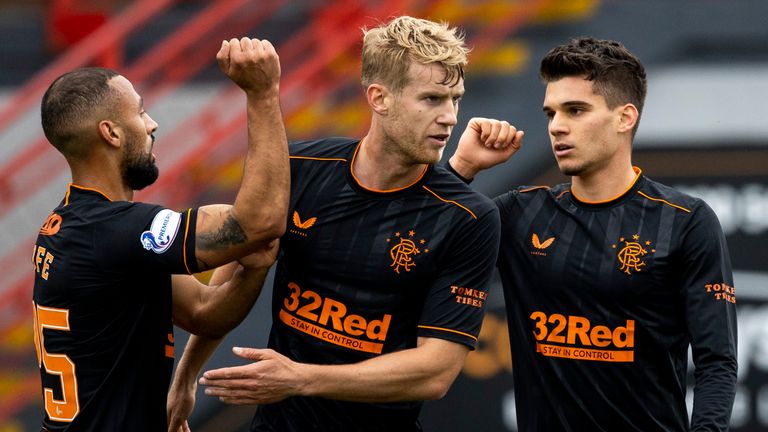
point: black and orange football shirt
(364, 273)
(102, 310)
(603, 301)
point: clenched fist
(485, 143)
(252, 64)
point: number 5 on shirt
(66, 409)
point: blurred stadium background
(703, 130)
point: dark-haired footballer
(610, 278)
(112, 275)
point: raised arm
(258, 215)
(422, 373)
(483, 144)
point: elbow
(213, 330)
(201, 324)
(266, 229)
(437, 389)
(214, 333)
(277, 228)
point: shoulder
(663, 195)
(334, 148)
(448, 188)
(111, 212)
(533, 193)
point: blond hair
(389, 49)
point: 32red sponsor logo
(576, 336)
(330, 320)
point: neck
(103, 177)
(376, 167)
(605, 185)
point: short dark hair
(615, 72)
(71, 100)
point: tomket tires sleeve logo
(162, 232)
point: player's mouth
(440, 139)
(562, 149)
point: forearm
(265, 188)
(408, 375)
(225, 306)
(197, 352)
(713, 395)
(258, 215)
(213, 310)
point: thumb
(518, 141)
(250, 353)
(223, 56)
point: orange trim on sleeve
(450, 201)
(448, 330)
(664, 201)
(186, 235)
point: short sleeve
(455, 303)
(149, 237)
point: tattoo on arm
(230, 233)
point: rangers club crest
(631, 253)
(404, 251)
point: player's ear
(110, 132)
(379, 98)
(628, 117)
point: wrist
(185, 384)
(307, 385)
(462, 169)
(185, 375)
(263, 95)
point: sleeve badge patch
(162, 232)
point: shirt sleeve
(455, 304)
(711, 319)
(153, 238)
